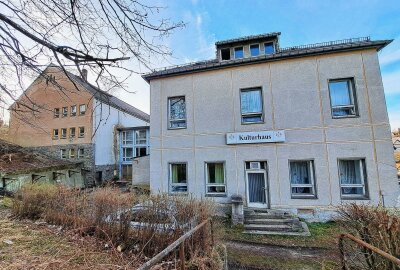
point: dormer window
(226, 54)
(269, 48)
(239, 52)
(255, 49)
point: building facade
(302, 128)
(71, 119)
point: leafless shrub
(376, 226)
(107, 214)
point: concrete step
(272, 228)
(271, 221)
(266, 216)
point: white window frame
(352, 96)
(363, 177)
(234, 52)
(56, 112)
(55, 137)
(177, 184)
(312, 184)
(215, 185)
(72, 135)
(80, 109)
(261, 113)
(170, 121)
(62, 136)
(73, 110)
(81, 134)
(71, 150)
(64, 111)
(63, 153)
(259, 49)
(79, 153)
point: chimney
(84, 74)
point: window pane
(216, 173)
(269, 48)
(300, 172)
(177, 108)
(350, 172)
(352, 191)
(340, 93)
(178, 124)
(127, 154)
(252, 119)
(251, 101)
(216, 189)
(226, 54)
(140, 136)
(302, 190)
(178, 173)
(140, 151)
(238, 52)
(127, 137)
(254, 50)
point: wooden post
(182, 255)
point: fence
(363, 255)
(180, 242)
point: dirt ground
(37, 245)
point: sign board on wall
(255, 137)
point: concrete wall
(141, 171)
(296, 99)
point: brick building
(74, 120)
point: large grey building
(302, 128)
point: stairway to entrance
(273, 222)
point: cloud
(389, 58)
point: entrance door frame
(266, 189)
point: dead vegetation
(104, 215)
(376, 226)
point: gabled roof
(281, 54)
(110, 99)
(15, 159)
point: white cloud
(389, 58)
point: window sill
(217, 195)
(346, 116)
(55, 138)
(178, 193)
(253, 123)
(355, 198)
(308, 197)
(170, 128)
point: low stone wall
(107, 172)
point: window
(64, 111)
(73, 110)
(215, 178)
(72, 132)
(343, 98)
(178, 177)
(63, 153)
(127, 154)
(177, 112)
(81, 132)
(127, 171)
(63, 133)
(81, 153)
(251, 105)
(226, 54)
(127, 137)
(239, 52)
(302, 179)
(269, 48)
(140, 136)
(72, 153)
(255, 49)
(56, 112)
(82, 109)
(353, 178)
(55, 134)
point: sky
(300, 22)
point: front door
(257, 188)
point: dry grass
(376, 226)
(105, 215)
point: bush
(376, 226)
(106, 214)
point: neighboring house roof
(396, 143)
(15, 159)
(281, 54)
(110, 99)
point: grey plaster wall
(296, 99)
(141, 171)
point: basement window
(226, 54)
(63, 153)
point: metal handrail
(365, 245)
(180, 242)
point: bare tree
(100, 35)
